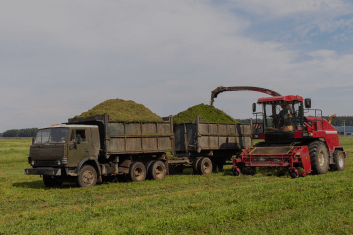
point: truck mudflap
(284, 156)
(43, 171)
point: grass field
(180, 204)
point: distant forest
(29, 132)
(339, 120)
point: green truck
(90, 149)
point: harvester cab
(290, 139)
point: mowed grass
(180, 204)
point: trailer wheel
(204, 166)
(87, 176)
(339, 159)
(148, 166)
(157, 170)
(137, 172)
(194, 166)
(50, 181)
(319, 157)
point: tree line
(28, 132)
(339, 120)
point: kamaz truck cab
(58, 152)
(292, 139)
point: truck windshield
(51, 135)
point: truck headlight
(32, 163)
(305, 134)
(59, 162)
(256, 136)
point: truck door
(79, 150)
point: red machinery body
(291, 139)
(286, 156)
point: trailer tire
(87, 176)
(137, 172)
(194, 166)
(148, 166)
(339, 161)
(50, 181)
(157, 170)
(319, 157)
(204, 166)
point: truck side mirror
(254, 107)
(307, 103)
(79, 139)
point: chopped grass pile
(123, 111)
(207, 113)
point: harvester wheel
(338, 158)
(50, 181)
(137, 172)
(236, 173)
(87, 176)
(293, 174)
(157, 170)
(204, 166)
(319, 157)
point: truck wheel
(319, 157)
(87, 176)
(204, 166)
(157, 170)
(50, 181)
(339, 159)
(194, 166)
(137, 172)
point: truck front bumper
(43, 171)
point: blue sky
(60, 58)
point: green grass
(180, 204)
(207, 113)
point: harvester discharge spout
(221, 89)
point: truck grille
(47, 163)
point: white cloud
(58, 59)
(288, 7)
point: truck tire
(50, 181)
(319, 157)
(157, 170)
(339, 161)
(204, 166)
(194, 166)
(87, 176)
(137, 172)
